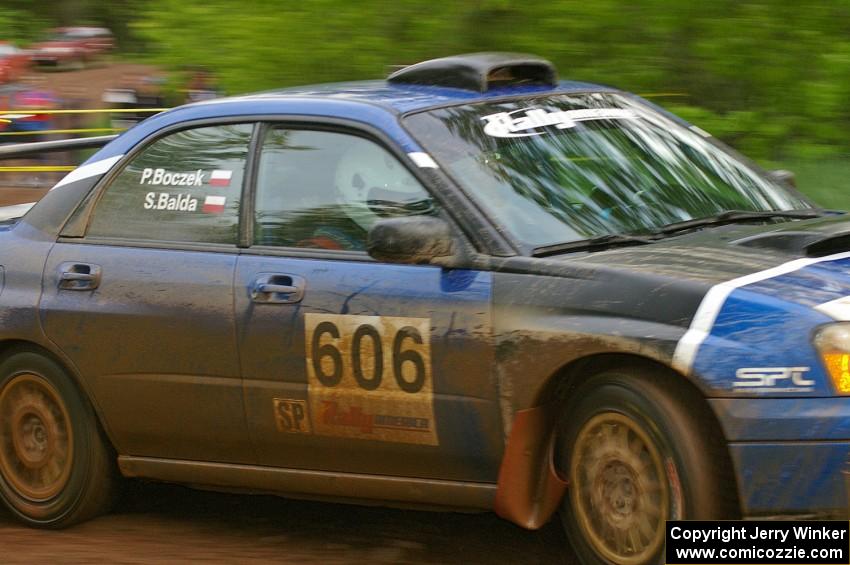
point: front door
(349, 364)
(143, 304)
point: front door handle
(277, 288)
(79, 276)
(268, 288)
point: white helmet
(371, 184)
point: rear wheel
(55, 467)
(638, 450)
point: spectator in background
(30, 99)
(201, 86)
(74, 99)
(32, 124)
(23, 105)
(149, 94)
(135, 91)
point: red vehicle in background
(72, 46)
(14, 62)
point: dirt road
(86, 86)
(163, 523)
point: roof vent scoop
(479, 71)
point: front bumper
(777, 479)
(789, 455)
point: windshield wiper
(608, 240)
(625, 239)
(735, 216)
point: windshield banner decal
(524, 122)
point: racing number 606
(368, 378)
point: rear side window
(184, 187)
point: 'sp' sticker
(291, 416)
(369, 377)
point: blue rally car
(470, 286)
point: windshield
(570, 167)
(6, 50)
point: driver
(369, 184)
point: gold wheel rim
(620, 494)
(36, 439)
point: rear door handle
(79, 276)
(277, 288)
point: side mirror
(413, 240)
(783, 176)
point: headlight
(833, 344)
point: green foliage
(19, 26)
(827, 182)
(770, 76)
(264, 44)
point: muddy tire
(638, 449)
(56, 469)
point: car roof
(404, 98)
(376, 102)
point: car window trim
(309, 253)
(153, 244)
(245, 236)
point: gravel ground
(165, 523)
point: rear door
(350, 364)
(143, 304)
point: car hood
(757, 295)
(718, 254)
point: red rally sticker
(214, 204)
(220, 177)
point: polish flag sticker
(220, 178)
(214, 204)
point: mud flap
(529, 489)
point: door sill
(302, 483)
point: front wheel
(639, 449)
(55, 467)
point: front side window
(567, 167)
(324, 190)
(184, 187)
